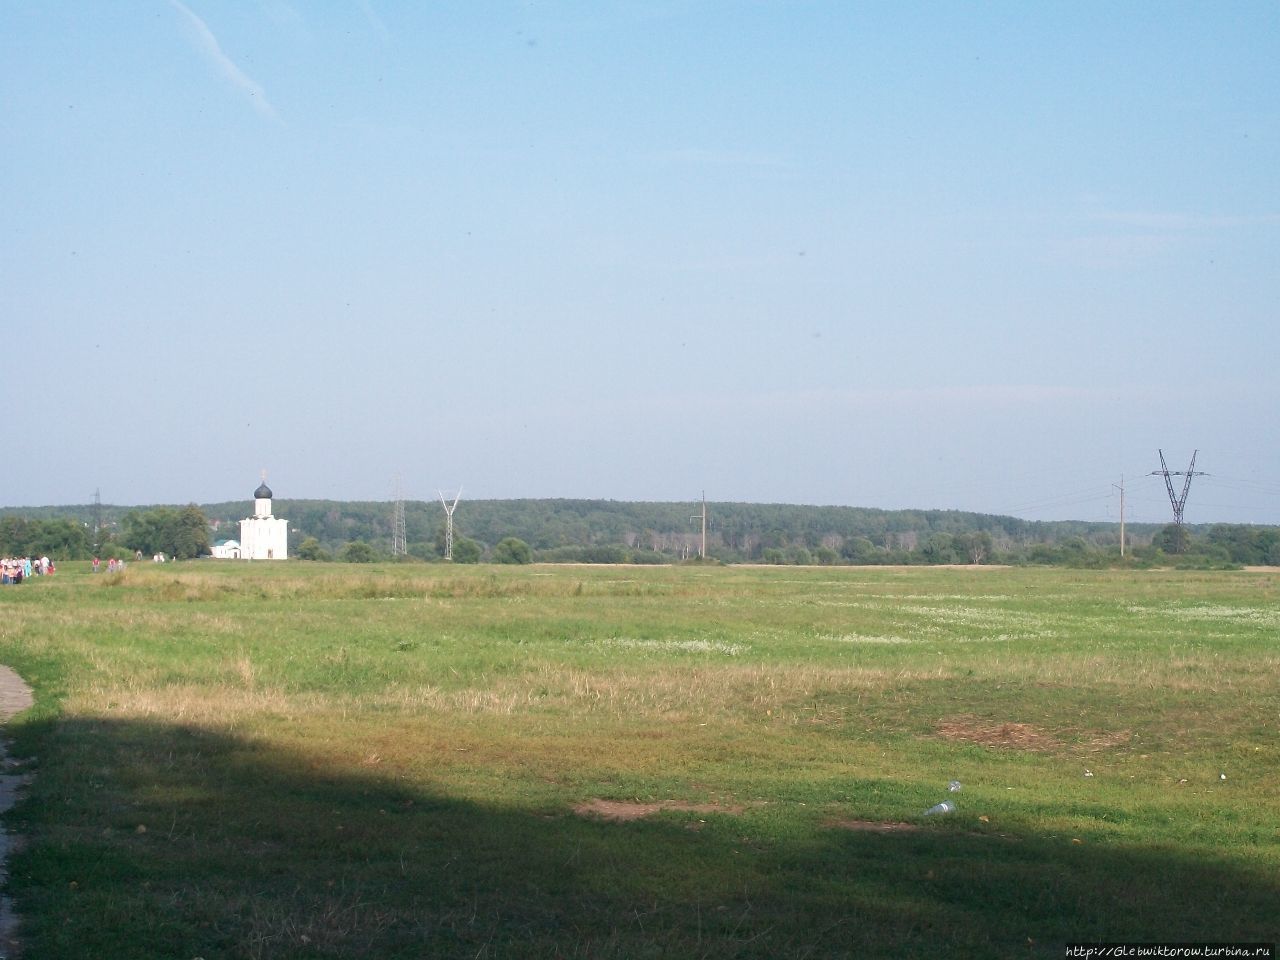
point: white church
(262, 536)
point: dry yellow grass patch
(666, 693)
(213, 706)
(1194, 670)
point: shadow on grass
(150, 841)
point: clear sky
(982, 256)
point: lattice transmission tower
(1178, 500)
(448, 522)
(399, 539)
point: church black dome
(262, 493)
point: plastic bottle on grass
(946, 806)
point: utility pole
(97, 520)
(1121, 489)
(702, 551)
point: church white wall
(264, 538)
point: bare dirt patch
(621, 811)
(873, 826)
(1106, 741)
(1026, 736)
(1016, 736)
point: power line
(1074, 498)
(1259, 486)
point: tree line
(180, 533)
(605, 531)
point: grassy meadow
(320, 760)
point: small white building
(226, 550)
(262, 536)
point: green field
(299, 760)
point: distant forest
(607, 531)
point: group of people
(113, 565)
(17, 569)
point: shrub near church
(181, 534)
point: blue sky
(975, 256)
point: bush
(598, 554)
(604, 554)
(861, 551)
(424, 551)
(649, 557)
(357, 551)
(310, 549)
(467, 551)
(561, 555)
(511, 550)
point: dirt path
(15, 696)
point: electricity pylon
(1178, 501)
(399, 537)
(448, 523)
